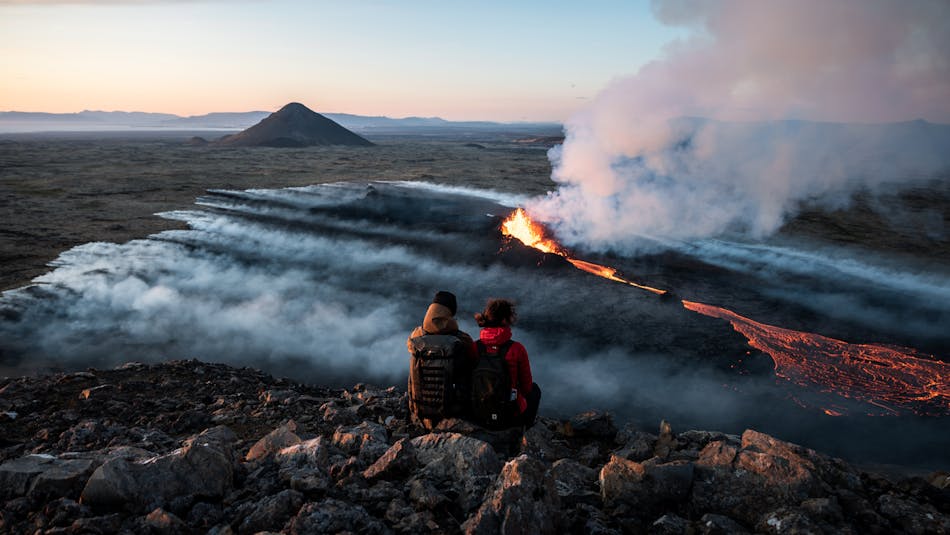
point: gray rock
(645, 486)
(270, 397)
(666, 442)
(763, 475)
(417, 522)
(398, 461)
(913, 517)
(424, 495)
(790, 520)
(98, 524)
(523, 500)
(711, 524)
(44, 476)
(270, 513)
(592, 521)
(367, 440)
(305, 466)
(314, 452)
(694, 440)
(333, 413)
(589, 454)
(334, 516)
(204, 467)
(575, 483)
(591, 424)
(540, 442)
(278, 439)
(467, 464)
(638, 447)
(162, 522)
(669, 524)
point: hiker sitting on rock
(440, 364)
(503, 394)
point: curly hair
(497, 312)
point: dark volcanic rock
(334, 516)
(43, 476)
(398, 461)
(294, 125)
(523, 500)
(204, 467)
(143, 455)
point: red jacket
(519, 369)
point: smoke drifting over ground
(637, 168)
(324, 283)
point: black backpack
(437, 376)
(491, 388)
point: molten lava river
(882, 379)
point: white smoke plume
(764, 107)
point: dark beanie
(446, 299)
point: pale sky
(473, 60)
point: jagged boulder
(304, 466)
(398, 461)
(670, 524)
(760, 476)
(278, 439)
(575, 483)
(366, 469)
(270, 513)
(591, 424)
(540, 442)
(911, 517)
(367, 440)
(204, 467)
(334, 516)
(642, 488)
(163, 522)
(523, 500)
(638, 446)
(465, 464)
(711, 524)
(43, 475)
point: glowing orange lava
(883, 376)
(519, 225)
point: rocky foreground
(191, 447)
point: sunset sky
(485, 60)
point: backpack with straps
(437, 387)
(491, 387)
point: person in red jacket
(495, 322)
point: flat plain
(61, 190)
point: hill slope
(294, 125)
(188, 447)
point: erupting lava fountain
(886, 377)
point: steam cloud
(639, 168)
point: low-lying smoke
(323, 284)
(638, 164)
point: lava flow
(519, 225)
(886, 377)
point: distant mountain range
(17, 121)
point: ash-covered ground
(323, 283)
